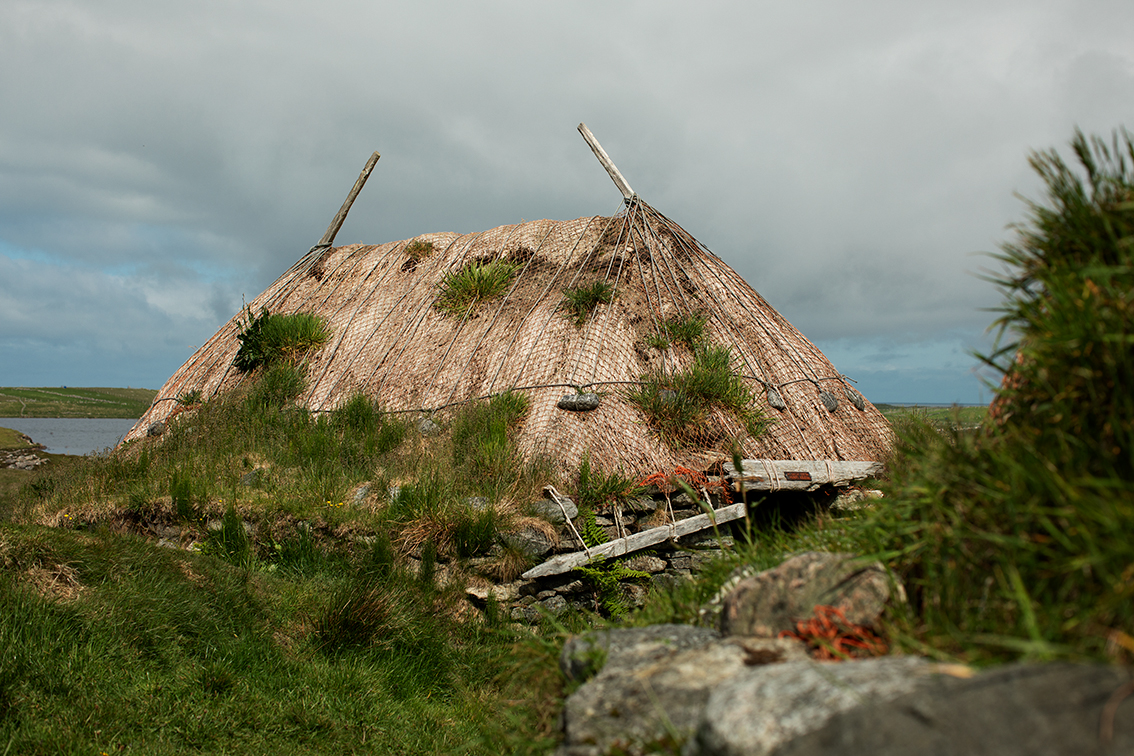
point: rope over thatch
(389, 340)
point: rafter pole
(329, 237)
(607, 163)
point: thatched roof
(389, 340)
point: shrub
(279, 385)
(580, 302)
(481, 442)
(1007, 539)
(418, 249)
(677, 404)
(462, 290)
(269, 338)
(688, 330)
(596, 490)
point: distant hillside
(74, 402)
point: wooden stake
(567, 562)
(329, 237)
(607, 163)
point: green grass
(1008, 539)
(10, 439)
(74, 402)
(962, 418)
(269, 338)
(463, 289)
(418, 249)
(677, 404)
(109, 644)
(580, 302)
(309, 634)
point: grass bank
(74, 402)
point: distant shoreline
(75, 402)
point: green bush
(269, 338)
(580, 302)
(463, 289)
(688, 330)
(482, 445)
(596, 490)
(418, 249)
(277, 387)
(677, 404)
(1008, 541)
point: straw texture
(389, 340)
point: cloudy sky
(160, 161)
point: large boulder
(653, 684)
(774, 600)
(1017, 710)
(624, 648)
(762, 708)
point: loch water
(72, 435)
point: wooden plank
(607, 163)
(567, 562)
(798, 475)
(337, 223)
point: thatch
(389, 340)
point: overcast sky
(160, 161)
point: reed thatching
(391, 341)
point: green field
(966, 418)
(75, 402)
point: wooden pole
(567, 562)
(329, 237)
(607, 163)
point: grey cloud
(847, 159)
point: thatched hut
(391, 340)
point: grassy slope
(940, 417)
(74, 402)
(110, 644)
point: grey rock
(1052, 709)
(575, 586)
(635, 595)
(643, 505)
(360, 494)
(665, 581)
(625, 648)
(554, 604)
(645, 563)
(774, 600)
(529, 541)
(545, 595)
(428, 428)
(855, 499)
(620, 708)
(702, 559)
(527, 614)
(155, 429)
(830, 401)
(477, 503)
(763, 707)
(251, 478)
(707, 539)
(550, 511)
(681, 561)
(579, 402)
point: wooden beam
(333, 229)
(607, 163)
(798, 475)
(567, 562)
